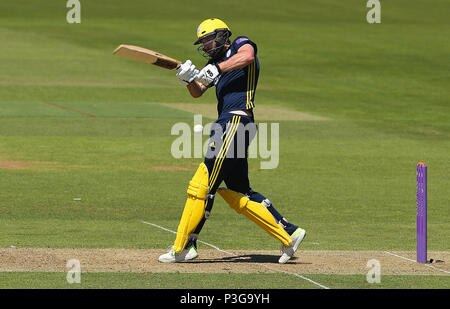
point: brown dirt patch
(20, 164)
(262, 112)
(172, 168)
(70, 109)
(214, 261)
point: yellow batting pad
(194, 207)
(256, 212)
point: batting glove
(209, 74)
(187, 72)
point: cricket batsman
(233, 69)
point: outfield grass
(214, 281)
(349, 181)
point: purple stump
(421, 212)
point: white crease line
(430, 266)
(173, 232)
(160, 227)
(232, 254)
(402, 257)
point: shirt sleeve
(241, 41)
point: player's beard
(218, 53)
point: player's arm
(244, 56)
(196, 89)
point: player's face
(209, 44)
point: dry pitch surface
(215, 261)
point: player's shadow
(248, 258)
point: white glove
(209, 74)
(187, 72)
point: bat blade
(146, 55)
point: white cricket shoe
(288, 252)
(189, 253)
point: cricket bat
(147, 56)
